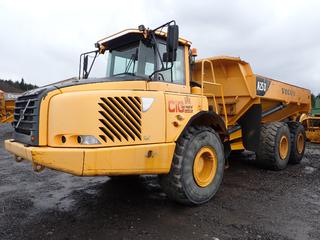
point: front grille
(120, 118)
(26, 114)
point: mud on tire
(180, 184)
(298, 142)
(273, 138)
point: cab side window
(178, 70)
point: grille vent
(120, 118)
(25, 115)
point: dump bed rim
(238, 59)
(290, 84)
(222, 57)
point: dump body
(233, 89)
(312, 126)
(6, 108)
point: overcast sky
(41, 40)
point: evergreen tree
(313, 99)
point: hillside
(15, 87)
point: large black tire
(298, 142)
(180, 184)
(272, 138)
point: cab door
(180, 105)
(175, 80)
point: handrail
(214, 83)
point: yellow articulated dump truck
(311, 125)
(6, 108)
(311, 122)
(143, 105)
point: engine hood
(31, 101)
(111, 83)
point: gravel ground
(251, 204)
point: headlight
(88, 140)
(146, 103)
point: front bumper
(126, 160)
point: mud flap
(250, 124)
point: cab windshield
(138, 61)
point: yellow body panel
(43, 117)
(280, 91)
(83, 118)
(141, 159)
(180, 109)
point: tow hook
(37, 167)
(18, 158)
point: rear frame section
(233, 91)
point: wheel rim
(300, 143)
(283, 147)
(205, 166)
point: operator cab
(157, 57)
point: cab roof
(132, 35)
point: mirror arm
(157, 48)
(94, 59)
(168, 23)
(163, 68)
(82, 55)
(158, 53)
(85, 66)
(80, 63)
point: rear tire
(298, 142)
(197, 167)
(274, 146)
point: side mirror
(172, 42)
(169, 57)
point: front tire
(197, 167)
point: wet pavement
(251, 204)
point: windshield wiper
(133, 60)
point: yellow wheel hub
(205, 166)
(284, 147)
(300, 143)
